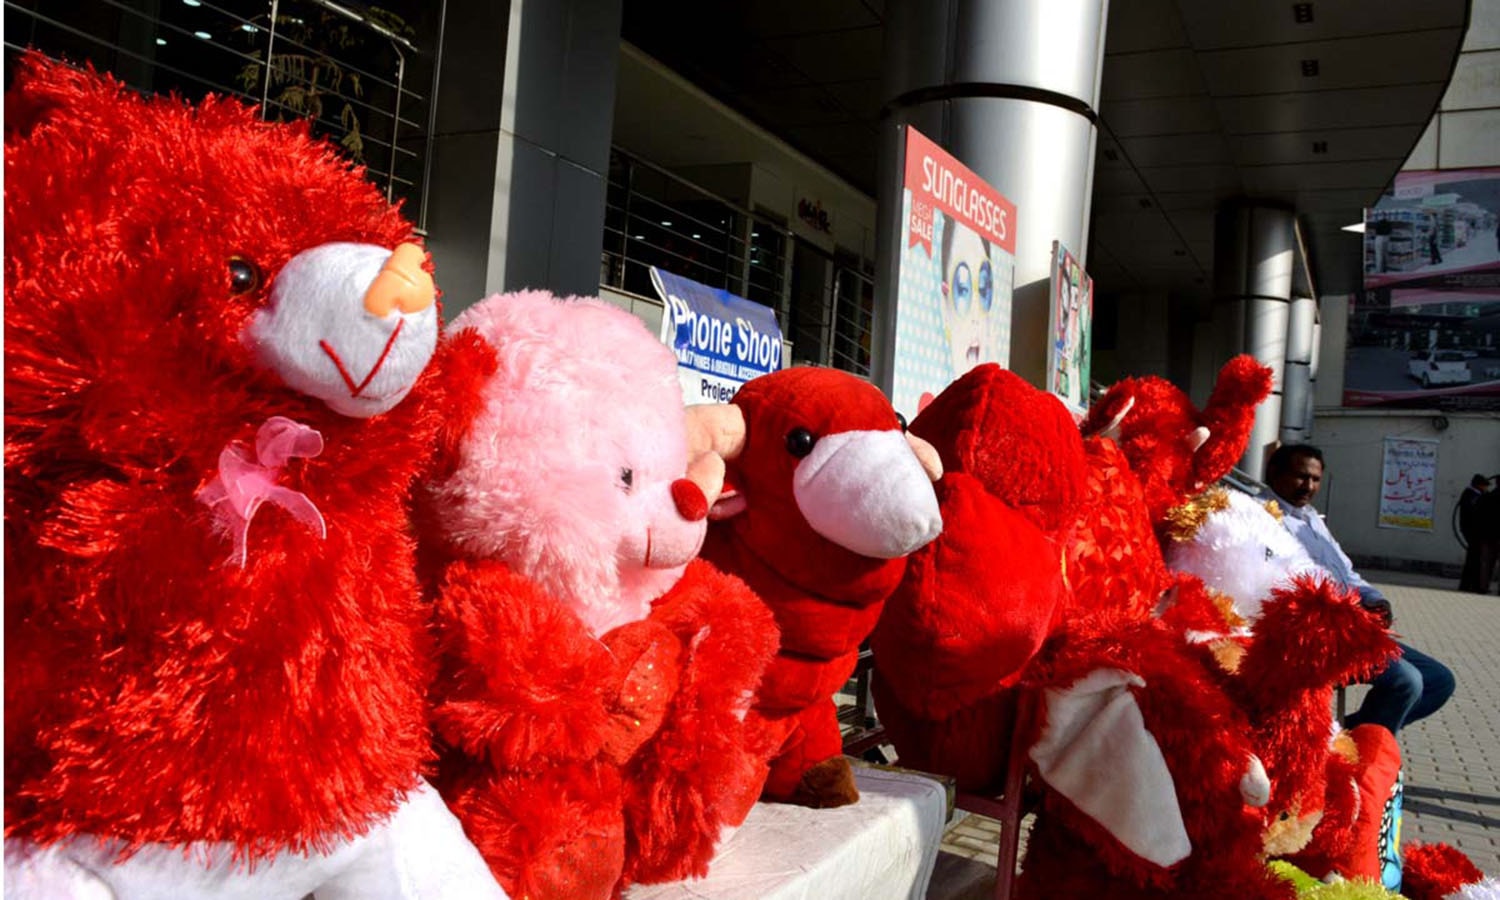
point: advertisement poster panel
(958, 260)
(1407, 490)
(1423, 333)
(721, 340)
(1070, 320)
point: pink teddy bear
(594, 676)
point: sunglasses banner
(1069, 321)
(956, 274)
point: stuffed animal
(1148, 450)
(1443, 872)
(1147, 779)
(1295, 636)
(215, 409)
(1174, 449)
(1310, 888)
(829, 498)
(595, 677)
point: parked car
(1441, 367)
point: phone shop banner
(721, 339)
(957, 266)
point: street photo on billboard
(1423, 331)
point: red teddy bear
(830, 497)
(216, 656)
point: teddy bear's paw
(826, 785)
(647, 655)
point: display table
(882, 847)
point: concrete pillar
(1253, 258)
(520, 155)
(1010, 88)
(1297, 377)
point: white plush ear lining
(1112, 430)
(1096, 752)
(1196, 438)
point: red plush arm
(701, 771)
(523, 680)
(974, 608)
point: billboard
(721, 340)
(1423, 333)
(955, 274)
(1070, 321)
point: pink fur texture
(508, 499)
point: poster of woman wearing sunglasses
(1069, 324)
(956, 273)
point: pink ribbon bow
(246, 480)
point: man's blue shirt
(1307, 527)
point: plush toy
(1148, 450)
(1295, 636)
(1145, 768)
(215, 409)
(595, 677)
(1174, 449)
(1310, 888)
(1443, 872)
(947, 646)
(829, 498)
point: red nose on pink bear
(690, 500)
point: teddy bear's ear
(47, 90)
(716, 428)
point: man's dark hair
(1281, 458)
(1478, 481)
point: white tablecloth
(881, 848)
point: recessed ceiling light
(204, 35)
(192, 2)
(666, 223)
(1357, 228)
(161, 42)
(247, 27)
(697, 236)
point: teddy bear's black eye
(901, 420)
(799, 442)
(627, 478)
(244, 275)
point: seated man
(1414, 685)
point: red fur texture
(1433, 871)
(1204, 740)
(826, 598)
(1155, 432)
(1311, 636)
(1114, 562)
(697, 774)
(992, 607)
(591, 700)
(977, 603)
(154, 693)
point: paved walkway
(1452, 760)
